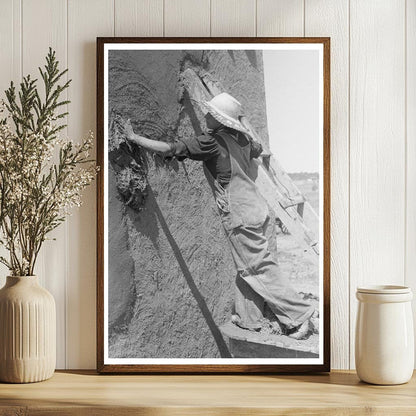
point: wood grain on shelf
(85, 392)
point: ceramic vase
(27, 331)
(384, 339)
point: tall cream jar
(384, 339)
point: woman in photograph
(226, 149)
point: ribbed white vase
(27, 331)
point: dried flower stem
(37, 194)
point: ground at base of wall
(250, 344)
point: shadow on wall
(251, 56)
(131, 165)
(206, 313)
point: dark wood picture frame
(103, 367)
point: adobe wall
(171, 275)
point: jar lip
(384, 289)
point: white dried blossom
(42, 175)
(36, 193)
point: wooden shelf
(87, 393)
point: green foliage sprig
(42, 175)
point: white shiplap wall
(373, 132)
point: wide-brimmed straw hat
(227, 110)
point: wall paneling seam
(210, 17)
(21, 39)
(405, 146)
(66, 222)
(349, 184)
(304, 18)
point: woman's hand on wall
(128, 130)
(149, 144)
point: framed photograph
(213, 205)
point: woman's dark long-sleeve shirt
(211, 149)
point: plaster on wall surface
(172, 281)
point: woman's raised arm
(149, 144)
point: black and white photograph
(212, 173)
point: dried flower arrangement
(42, 175)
